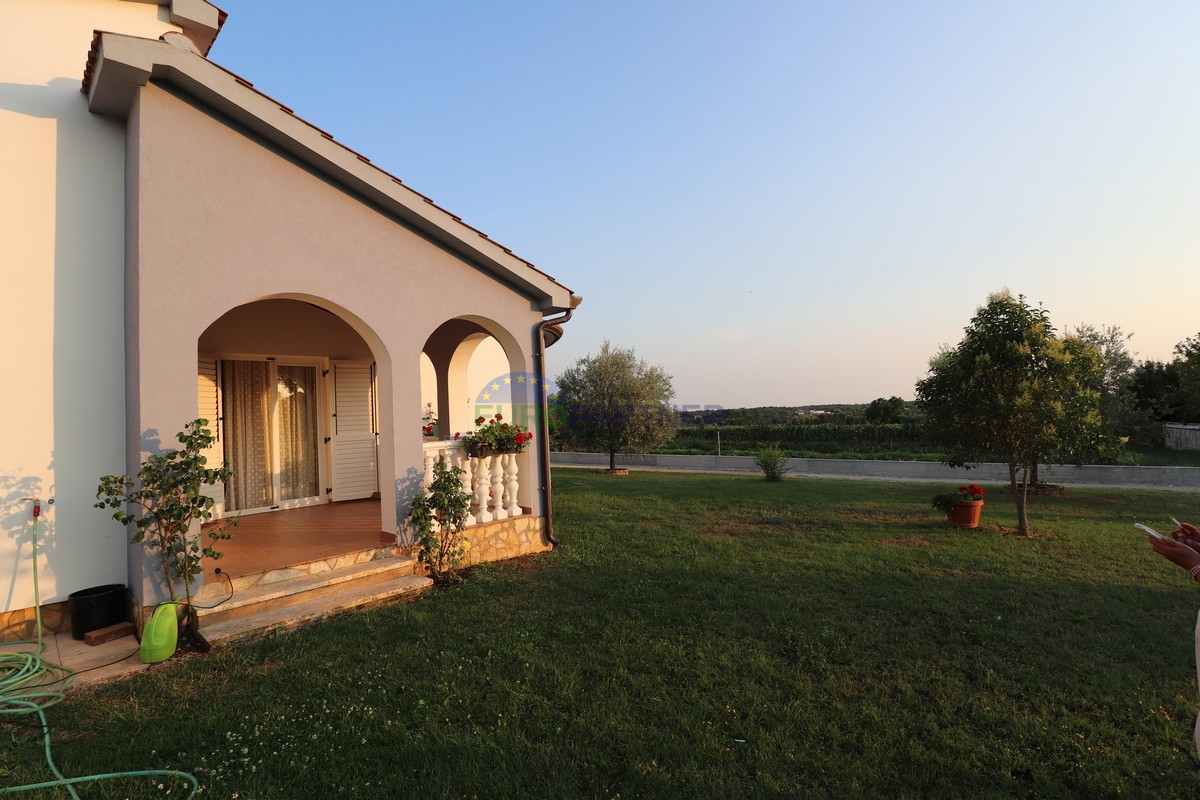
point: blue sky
(781, 203)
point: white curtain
(247, 394)
(296, 388)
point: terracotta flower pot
(965, 514)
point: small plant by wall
(438, 516)
(163, 500)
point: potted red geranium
(962, 507)
(495, 436)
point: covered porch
(265, 542)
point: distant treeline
(767, 415)
(798, 435)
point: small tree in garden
(1012, 391)
(164, 499)
(615, 402)
(439, 515)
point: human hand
(1176, 551)
(1187, 534)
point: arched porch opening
(472, 367)
(296, 391)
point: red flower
(479, 421)
(456, 436)
(505, 425)
(499, 417)
(962, 488)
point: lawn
(707, 636)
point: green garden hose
(27, 679)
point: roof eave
(119, 65)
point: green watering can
(161, 633)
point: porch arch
(290, 326)
(450, 349)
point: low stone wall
(508, 538)
(1093, 475)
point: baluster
(513, 507)
(430, 459)
(498, 511)
(464, 462)
(481, 490)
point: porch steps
(287, 598)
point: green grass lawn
(708, 636)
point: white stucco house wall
(172, 237)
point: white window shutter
(353, 425)
(209, 407)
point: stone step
(216, 589)
(279, 589)
(261, 622)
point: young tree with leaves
(614, 402)
(1012, 391)
(165, 504)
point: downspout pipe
(539, 365)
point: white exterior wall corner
(223, 220)
(62, 247)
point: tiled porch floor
(280, 539)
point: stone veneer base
(498, 541)
(20, 625)
(508, 538)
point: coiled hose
(28, 682)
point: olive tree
(1013, 391)
(614, 402)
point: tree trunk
(1018, 492)
(1023, 504)
(612, 460)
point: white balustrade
(454, 456)
(492, 481)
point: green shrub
(773, 463)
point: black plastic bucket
(96, 608)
